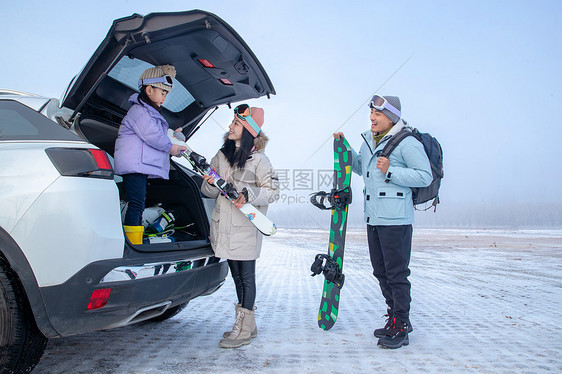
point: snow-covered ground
(483, 301)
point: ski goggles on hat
(247, 120)
(166, 80)
(380, 103)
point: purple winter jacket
(142, 145)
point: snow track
(483, 302)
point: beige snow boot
(242, 332)
(254, 332)
(227, 333)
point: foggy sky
(485, 78)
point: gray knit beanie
(157, 72)
(395, 102)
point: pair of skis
(200, 165)
(331, 265)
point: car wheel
(169, 313)
(21, 342)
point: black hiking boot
(396, 336)
(379, 333)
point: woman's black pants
(244, 275)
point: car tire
(169, 313)
(21, 342)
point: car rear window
(128, 71)
(19, 122)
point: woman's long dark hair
(144, 97)
(238, 157)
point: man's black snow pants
(390, 248)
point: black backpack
(434, 153)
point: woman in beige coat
(242, 162)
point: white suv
(66, 266)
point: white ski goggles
(380, 103)
(166, 80)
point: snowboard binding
(326, 265)
(337, 198)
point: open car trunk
(214, 66)
(180, 196)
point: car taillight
(99, 298)
(81, 162)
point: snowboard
(200, 165)
(331, 265)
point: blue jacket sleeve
(417, 172)
(357, 166)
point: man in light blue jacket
(389, 210)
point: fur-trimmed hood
(261, 141)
